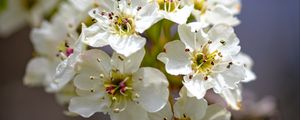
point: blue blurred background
(269, 33)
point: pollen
(64, 50)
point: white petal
(96, 36)
(180, 16)
(152, 87)
(84, 82)
(132, 112)
(106, 5)
(126, 45)
(88, 105)
(233, 97)
(147, 16)
(64, 96)
(36, 72)
(176, 59)
(130, 64)
(165, 113)
(215, 112)
(244, 59)
(221, 14)
(94, 63)
(250, 76)
(233, 5)
(44, 39)
(64, 73)
(137, 3)
(82, 5)
(190, 107)
(247, 62)
(193, 40)
(231, 77)
(197, 86)
(223, 32)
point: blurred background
(269, 33)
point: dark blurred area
(269, 33)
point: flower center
(169, 5)
(204, 61)
(119, 85)
(64, 50)
(28, 4)
(200, 5)
(120, 23)
(119, 89)
(124, 24)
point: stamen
(69, 51)
(99, 60)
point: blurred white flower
(212, 12)
(118, 86)
(204, 58)
(191, 108)
(233, 5)
(14, 14)
(64, 96)
(174, 10)
(56, 45)
(119, 23)
(46, 42)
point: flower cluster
(151, 44)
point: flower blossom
(118, 86)
(120, 23)
(56, 46)
(205, 59)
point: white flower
(233, 5)
(118, 86)
(56, 42)
(15, 13)
(205, 59)
(191, 108)
(212, 12)
(119, 24)
(219, 14)
(174, 10)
